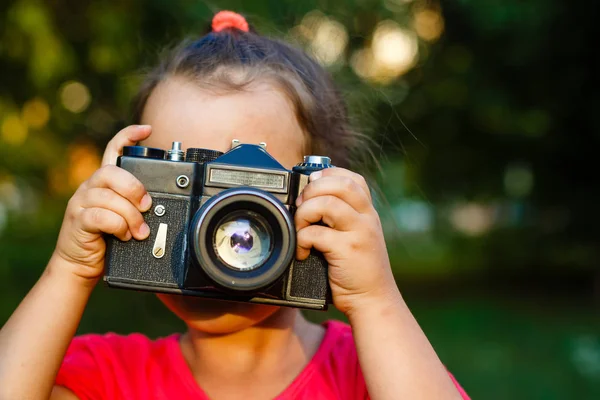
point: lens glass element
(243, 240)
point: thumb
(128, 136)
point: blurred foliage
(482, 116)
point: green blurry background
(484, 122)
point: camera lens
(242, 240)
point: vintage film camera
(222, 227)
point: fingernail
(315, 175)
(143, 127)
(127, 236)
(299, 200)
(146, 202)
(144, 230)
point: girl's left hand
(352, 240)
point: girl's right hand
(111, 202)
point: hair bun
(229, 19)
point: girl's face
(180, 110)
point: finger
(126, 137)
(339, 186)
(97, 220)
(319, 237)
(123, 183)
(333, 211)
(108, 199)
(342, 172)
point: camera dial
(318, 160)
(143, 152)
(312, 163)
(200, 155)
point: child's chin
(216, 316)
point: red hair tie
(229, 19)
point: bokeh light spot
(14, 130)
(329, 42)
(83, 161)
(75, 96)
(414, 216)
(429, 24)
(362, 63)
(36, 113)
(57, 181)
(10, 194)
(472, 219)
(393, 52)
(394, 48)
(326, 38)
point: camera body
(221, 227)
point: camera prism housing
(221, 227)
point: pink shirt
(134, 367)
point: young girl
(231, 83)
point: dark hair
(232, 59)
